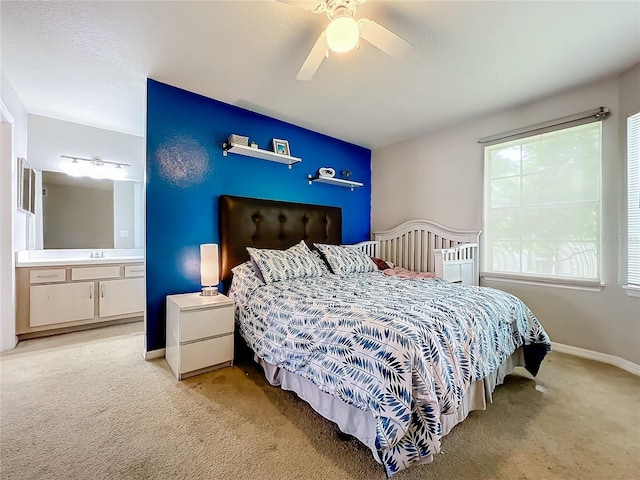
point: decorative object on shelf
(346, 174)
(238, 140)
(326, 172)
(209, 277)
(281, 147)
(254, 145)
(248, 151)
(335, 181)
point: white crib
(424, 246)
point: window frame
(632, 289)
(542, 279)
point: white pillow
(245, 280)
(344, 260)
(278, 265)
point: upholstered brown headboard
(254, 222)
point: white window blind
(542, 205)
(633, 200)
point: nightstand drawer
(206, 322)
(197, 355)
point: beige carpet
(87, 406)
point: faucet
(97, 254)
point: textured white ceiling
(87, 62)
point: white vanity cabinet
(63, 298)
(121, 297)
(65, 302)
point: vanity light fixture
(95, 168)
(96, 161)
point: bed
(394, 362)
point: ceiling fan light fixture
(343, 34)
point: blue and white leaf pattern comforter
(405, 349)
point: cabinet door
(61, 303)
(121, 297)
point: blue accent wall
(186, 173)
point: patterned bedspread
(404, 349)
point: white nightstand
(199, 333)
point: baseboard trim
(600, 357)
(153, 354)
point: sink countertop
(54, 262)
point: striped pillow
(344, 260)
(278, 265)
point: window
(633, 200)
(542, 206)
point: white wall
(13, 144)
(49, 138)
(438, 176)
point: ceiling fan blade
(314, 6)
(384, 39)
(314, 59)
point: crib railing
(424, 246)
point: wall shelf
(259, 153)
(336, 181)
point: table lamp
(209, 276)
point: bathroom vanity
(67, 293)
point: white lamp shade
(209, 275)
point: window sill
(632, 290)
(586, 285)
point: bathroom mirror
(84, 212)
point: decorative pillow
(247, 272)
(278, 265)
(346, 260)
(244, 281)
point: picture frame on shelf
(281, 147)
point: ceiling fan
(344, 33)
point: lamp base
(209, 291)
